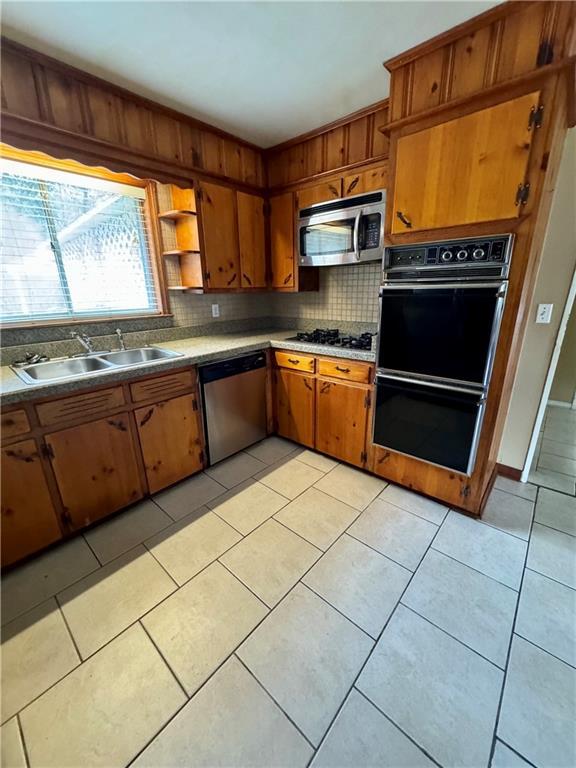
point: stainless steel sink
(61, 369)
(133, 356)
(73, 367)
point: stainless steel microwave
(346, 231)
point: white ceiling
(265, 71)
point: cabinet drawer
(162, 387)
(351, 370)
(14, 423)
(296, 361)
(85, 405)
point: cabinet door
(96, 468)
(320, 193)
(463, 171)
(251, 240)
(283, 258)
(170, 440)
(342, 420)
(220, 228)
(295, 398)
(29, 521)
(366, 181)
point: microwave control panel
(371, 226)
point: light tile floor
(554, 463)
(287, 610)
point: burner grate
(332, 337)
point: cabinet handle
(118, 424)
(287, 278)
(325, 387)
(147, 417)
(307, 384)
(353, 184)
(294, 362)
(231, 279)
(245, 276)
(342, 370)
(404, 220)
(333, 189)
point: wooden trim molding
(510, 472)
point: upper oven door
(440, 331)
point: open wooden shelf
(192, 289)
(176, 214)
(179, 252)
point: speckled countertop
(200, 349)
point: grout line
(257, 596)
(325, 600)
(482, 572)
(172, 579)
(65, 620)
(552, 528)
(396, 562)
(300, 731)
(522, 757)
(545, 650)
(165, 660)
(23, 740)
(508, 654)
(390, 720)
(551, 578)
(484, 658)
(83, 535)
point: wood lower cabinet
(342, 420)
(96, 468)
(29, 518)
(170, 439)
(465, 170)
(295, 405)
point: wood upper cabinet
(219, 227)
(96, 468)
(320, 193)
(342, 420)
(365, 181)
(465, 170)
(251, 236)
(29, 520)
(170, 439)
(282, 251)
(295, 397)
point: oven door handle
(498, 285)
(434, 385)
(356, 235)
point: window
(73, 247)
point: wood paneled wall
(505, 43)
(50, 106)
(347, 143)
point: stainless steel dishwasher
(234, 396)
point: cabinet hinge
(47, 451)
(207, 275)
(367, 400)
(522, 194)
(194, 404)
(363, 457)
(535, 118)
(465, 491)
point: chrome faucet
(120, 339)
(85, 340)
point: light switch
(215, 310)
(544, 313)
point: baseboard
(559, 403)
(510, 472)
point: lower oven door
(431, 422)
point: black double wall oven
(440, 310)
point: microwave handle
(356, 236)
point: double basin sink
(56, 370)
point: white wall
(557, 264)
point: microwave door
(442, 332)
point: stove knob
(446, 256)
(478, 253)
(462, 255)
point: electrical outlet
(544, 313)
(215, 310)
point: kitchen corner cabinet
(295, 406)
(464, 171)
(220, 236)
(252, 241)
(170, 439)
(29, 519)
(96, 468)
(342, 420)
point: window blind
(72, 247)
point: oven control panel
(450, 255)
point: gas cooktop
(333, 338)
